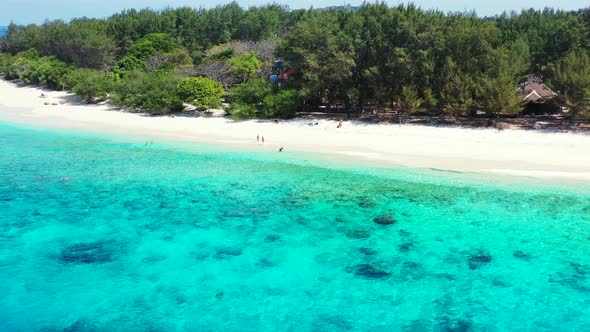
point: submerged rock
(367, 203)
(265, 263)
(456, 325)
(368, 251)
(370, 271)
(478, 260)
(272, 238)
(405, 247)
(333, 323)
(386, 219)
(224, 252)
(404, 233)
(88, 253)
(81, 324)
(411, 265)
(576, 277)
(358, 234)
(521, 255)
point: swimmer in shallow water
(281, 150)
(65, 179)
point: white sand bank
(510, 152)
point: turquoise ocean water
(166, 238)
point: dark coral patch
(90, 252)
(368, 251)
(478, 259)
(358, 234)
(521, 255)
(370, 271)
(386, 219)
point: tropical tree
(154, 92)
(201, 92)
(409, 101)
(570, 76)
(245, 66)
(89, 84)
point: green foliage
(202, 92)
(154, 92)
(82, 42)
(373, 56)
(90, 84)
(242, 111)
(6, 62)
(409, 100)
(261, 22)
(246, 66)
(30, 68)
(152, 43)
(156, 51)
(429, 99)
(320, 49)
(283, 104)
(222, 55)
(257, 97)
(570, 76)
(251, 92)
(128, 64)
(498, 95)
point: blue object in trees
(274, 78)
(279, 64)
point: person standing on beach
(258, 138)
(262, 139)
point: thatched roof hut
(533, 90)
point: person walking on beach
(258, 138)
(262, 139)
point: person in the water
(281, 150)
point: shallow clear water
(160, 238)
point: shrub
(201, 92)
(154, 92)
(90, 84)
(245, 66)
(251, 92)
(128, 64)
(242, 111)
(6, 61)
(282, 104)
(30, 68)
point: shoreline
(561, 157)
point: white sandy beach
(561, 156)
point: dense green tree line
(375, 57)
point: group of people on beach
(260, 138)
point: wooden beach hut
(537, 96)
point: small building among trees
(537, 97)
